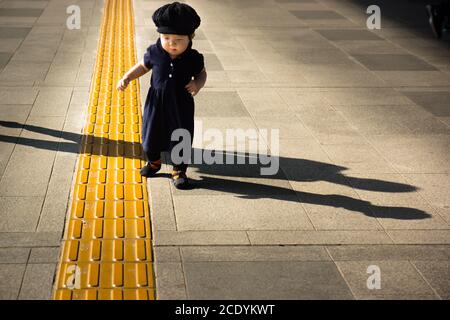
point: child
(178, 74)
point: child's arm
(135, 72)
(194, 86)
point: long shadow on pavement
(207, 176)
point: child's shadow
(246, 180)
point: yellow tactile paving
(107, 249)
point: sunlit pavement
(359, 208)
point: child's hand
(192, 87)
(123, 84)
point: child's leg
(153, 164)
(179, 177)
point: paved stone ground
(364, 162)
(364, 139)
(45, 74)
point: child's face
(174, 44)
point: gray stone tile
(419, 236)
(342, 75)
(304, 152)
(23, 12)
(18, 95)
(52, 102)
(434, 102)
(369, 47)
(53, 213)
(289, 127)
(34, 53)
(22, 71)
(9, 45)
(348, 34)
(414, 153)
(42, 128)
(18, 21)
(317, 56)
(4, 58)
(29, 4)
(44, 255)
(169, 274)
(62, 75)
(212, 62)
(254, 253)
(364, 97)
(410, 119)
(30, 239)
(163, 217)
(435, 188)
(328, 237)
(264, 102)
(19, 214)
(14, 255)
(167, 254)
(171, 293)
(226, 182)
(247, 76)
(37, 282)
(261, 280)
(13, 32)
(216, 104)
(393, 62)
(414, 78)
(6, 149)
(28, 171)
(358, 158)
(330, 216)
(437, 273)
(11, 276)
(13, 118)
(388, 188)
(390, 252)
(398, 279)
(200, 238)
(316, 14)
(200, 213)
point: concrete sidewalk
(363, 118)
(364, 162)
(45, 74)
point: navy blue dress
(169, 105)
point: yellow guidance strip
(107, 250)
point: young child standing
(178, 73)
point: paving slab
(11, 276)
(397, 279)
(261, 280)
(37, 282)
(436, 273)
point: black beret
(176, 18)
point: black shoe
(435, 20)
(180, 180)
(151, 168)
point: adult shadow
(78, 143)
(246, 179)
